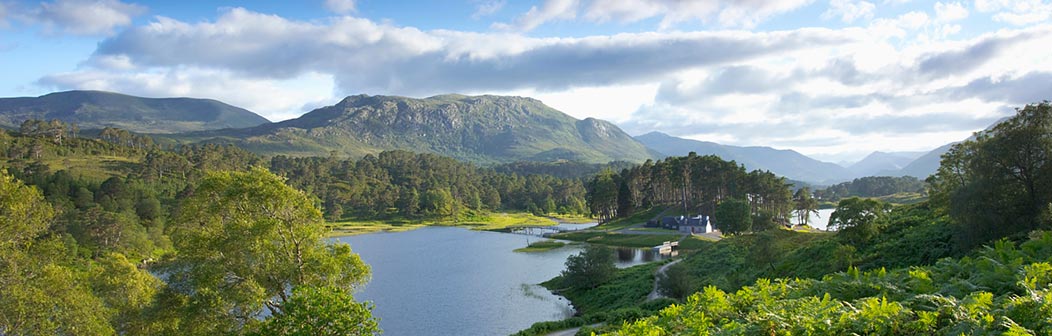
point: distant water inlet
(819, 221)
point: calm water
(454, 281)
(821, 220)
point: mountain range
(796, 166)
(883, 163)
(99, 109)
(484, 129)
(787, 163)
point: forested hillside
(116, 246)
(906, 270)
(403, 184)
(99, 109)
(694, 184)
(872, 186)
(119, 235)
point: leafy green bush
(1004, 289)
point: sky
(835, 79)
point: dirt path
(655, 294)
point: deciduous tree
(733, 217)
(244, 240)
(590, 268)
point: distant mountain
(925, 165)
(486, 129)
(98, 109)
(883, 164)
(928, 164)
(788, 163)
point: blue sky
(832, 79)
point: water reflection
(544, 231)
(629, 256)
(818, 220)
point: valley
(525, 168)
(122, 193)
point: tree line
(119, 235)
(997, 184)
(694, 184)
(409, 185)
(872, 186)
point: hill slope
(786, 163)
(98, 109)
(883, 163)
(474, 128)
(927, 164)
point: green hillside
(98, 109)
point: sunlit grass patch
(541, 246)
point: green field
(489, 221)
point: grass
(350, 228)
(541, 246)
(695, 243)
(488, 221)
(736, 261)
(498, 221)
(904, 198)
(636, 218)
(573, 219)
(652, 229)
(96, 167)
(628, 288)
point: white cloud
(614, 103)
(726, 13)
(487, 7)
(340, 6)
(370, 57)
(551, 10)
(1016, 12)
(274, 99)
(949, 12)
(849, 10)
(822, 90)
(787, 101)
(85, 17)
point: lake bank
(491, 221)
(457, 281)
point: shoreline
(488, 222)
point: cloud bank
(81, 17)
(901, 83)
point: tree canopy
(804, 205)
(856, 218)
(244, 240)
(997, 184)
(590, 268)
(693, 183)
(733, 217)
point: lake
(455, 281)
(819, 221)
